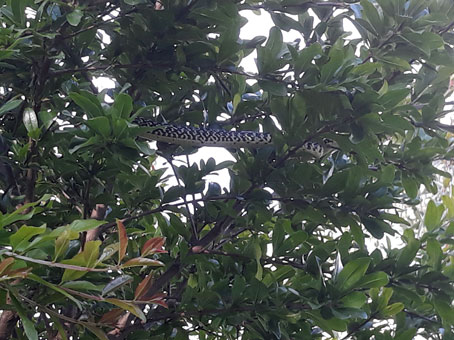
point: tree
(96, 243)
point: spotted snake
(198, 137)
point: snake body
(198, 137)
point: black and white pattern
(187, 135)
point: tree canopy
(98, 242)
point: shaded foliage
(98, 243)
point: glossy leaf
(352, 273)
(116, 283)
(153, 245)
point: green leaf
(87, 258)
(354, 300)
(36, 278)
(435, 253)
(62, 243)
(180, 227)
(30, 119)
(327, 325)
(384, 298)
(445, 311)
(282, 273)
(92, 140)
(123, 105)
(285, 22)
(408, 253)
(273, 87)
(372, 15)
(101, 125)
(303, 60)
(87, 102)
(172, 194)
(29, 326)
(74, 17)
(394, 218)
(10, 105)
(18, 9)
(268, 57)
(20, 213)
(393, 309)
(142, 261)
(388, 7)
(411, 186)
(448, 202)
(352, 273)
(19, 240)
(333, 66)
(274, 42)
(278, 235)
(408, 334)
(395, 63)
(258, 255)
(238, 287)
(392, 98)
(85, 225)
(374, 280)
(374, 226)
(82, 285)
(432, 218)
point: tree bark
(8, 320)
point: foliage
(98, 243)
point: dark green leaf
(10, 105)
(29, 326)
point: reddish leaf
(160, 302)
(158, 299)
(143, 287)
(123, 239)
(18, 273)
(112, 316)
(5, 264)
(153, 246)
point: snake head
(330, 143)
